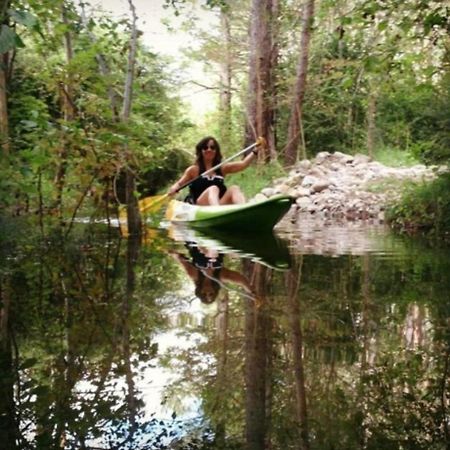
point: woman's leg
(233, 195)
(209, 196)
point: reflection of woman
(208, 273)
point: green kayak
(252, 216)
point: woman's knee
(209, 196)
(236, 194)
(213, 190)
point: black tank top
(204, 182)
(201, 261)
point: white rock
(303, 192)
(268, 192)
(361, 159)
(316, 172)
(303, 202)
(304, 164)
(342, 157)
(320, 186)
(321, 157)
(259, 197)
(309, 181)
(296, 179)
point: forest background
(90, 116)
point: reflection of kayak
(264, 247)
(255, 217)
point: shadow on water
(322, 336)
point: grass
(394, 157)
(387, 184)
(256, 177)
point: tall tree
(295, 128)
(225, 77)
(260, 101)
(4, 56)
(134, 219)
(67, 107)
(102, 65)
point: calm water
(325, 336)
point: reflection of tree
(8, 425)
(323, 356)
(76, 339)
(133, 244)
(222, 363)
(293, 285)
(257, 363)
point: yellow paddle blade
(123, 224)
(150, 205)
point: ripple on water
(318, 236)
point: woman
(210, 189)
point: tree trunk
(103, 67)
(4, 120)
(295, 120)
(133, 216)
(260, 109)
(225, 80)
(371, 124)
(68, 111)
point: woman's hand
(173, 190)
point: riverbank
(345, 187)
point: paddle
(152, 204)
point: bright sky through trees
(157, 37)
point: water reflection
(334, 238)
(265, 248)
(105, 343)
(206, 269)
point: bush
(424, 208)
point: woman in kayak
(210, 189)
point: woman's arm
(237, 166)
(190, 269)
(235, 277)
(189, 174)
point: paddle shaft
(246, 149)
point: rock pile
(340, 186)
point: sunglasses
(209, 147)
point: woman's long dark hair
(199, 286)
(199, 155)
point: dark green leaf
(9, 39)
(24, 18)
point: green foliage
(256, 177)
(394, 157)
(91, 145)
(411, 118)
(424, 208)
